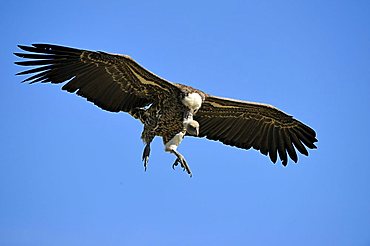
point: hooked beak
(193, 131)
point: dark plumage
(118, 83)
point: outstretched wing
(261, 126)
(112, 82)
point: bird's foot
(180, 159)
(146, 154)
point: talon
(175, 164)
(180, 159)
(145, 163)
(145, 157)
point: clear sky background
(71, 173)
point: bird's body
(166, 118)
(163, 119)
(169, 110)
(169, 119)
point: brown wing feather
(112, 82)
(261, 126)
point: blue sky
(71, 173)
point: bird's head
(192, 127)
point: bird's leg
(180, 159)
(147, 136)
(146, 154)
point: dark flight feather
(264, 127)
(110, 81)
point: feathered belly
(165, 121)
(169, 127)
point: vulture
(172, 111)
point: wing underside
(112, 82)
(252, 125)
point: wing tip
(23, 47)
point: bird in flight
(172, 111)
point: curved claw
(184, 165)
(180, 159)
(145, 157)
(145, 160)
(175, 164)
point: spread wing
(261, 126)
(112, 82)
